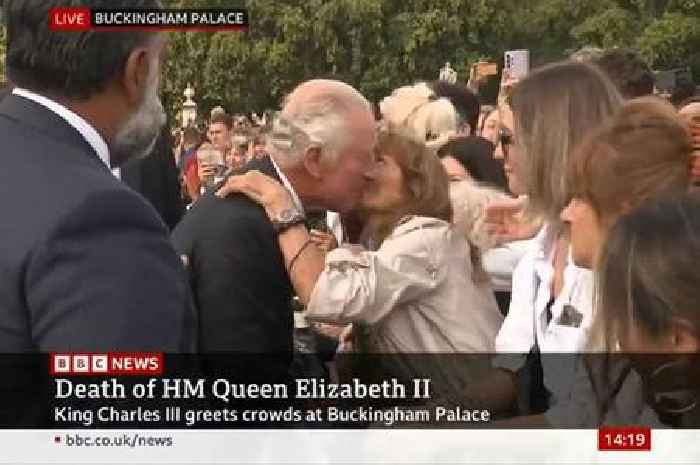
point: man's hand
(323, 240)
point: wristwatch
(286, 219)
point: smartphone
(517, 63)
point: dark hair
(463, 99)
(485, 110)
(475, 154)
(191, 136)
(683, 93)
(647, 278)
(628, 71)
(69, 64)
(223, 118)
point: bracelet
(301, 249)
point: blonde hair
(642, 152)
(422, 113)
(554, 108)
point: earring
(669, 402)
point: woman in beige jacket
(418, 291)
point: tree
(378, 45)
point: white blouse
(415, 294)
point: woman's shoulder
(415, 223)
(420, 236)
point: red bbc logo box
(107, 364)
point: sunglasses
(505, 138)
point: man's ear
(685, 337)
(313, 161)
(134, 79)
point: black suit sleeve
(241, 288)
(107, 278)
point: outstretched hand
(260, 188)
(505, 221)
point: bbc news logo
(107, 364)
(86, 19)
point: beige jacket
(413, 295)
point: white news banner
(346, 446)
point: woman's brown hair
(643, 151)
(424, 177)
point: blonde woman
(550, 112)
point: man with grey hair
(320, 147)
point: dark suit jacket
(86, 264)
(240, 283)
(156, 178)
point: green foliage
(378, 45)
(3, 42)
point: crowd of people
(562, 219)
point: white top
(526, 323)
(415, 294)
(532, 284)
(85, 129)
(500, 263)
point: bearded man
(86, 263)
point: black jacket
(156, 178)
(85, 262)
(240, 283)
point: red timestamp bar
(624, 438)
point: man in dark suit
(156, 178)
(320, 149)
(86, 263)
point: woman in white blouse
(418, 291)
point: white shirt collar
(295, 198)
(89, 133)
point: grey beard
(138, 135)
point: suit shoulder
(211, 218)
